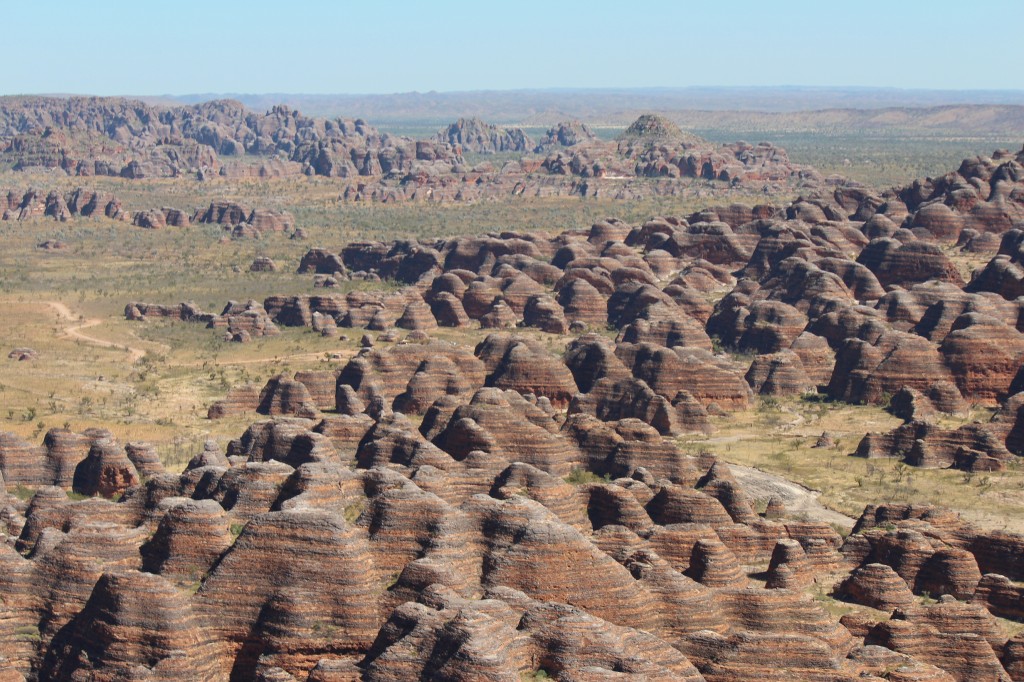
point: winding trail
(75, 332)
(135, 353)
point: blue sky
(140, 47)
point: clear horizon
(332, 48)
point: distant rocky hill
(87, 136)
(653, 157)
(481, 137)
(114, 136)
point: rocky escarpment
(87, 136)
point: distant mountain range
(876, 107)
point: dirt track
(75, 332)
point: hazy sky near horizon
(140, 47)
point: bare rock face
(321, 261)
(1002, 275)
(894, 262)
(504, 424)
(239, 400)
(121, 606)
(582, 302)
(210, 456)
(590, 358)
(910, 404)
(763, 327)
(865, 372)
(971, 447)
(950, 570)
(937, 635)
(636, 445)
(448, 310)
(434, 379)
(387, 372)
(670, 332)
(491, 647)
(107, 471)
(706, 377)
(789, 568)
(283, 395)
(983, 355)
(300, 548)
(500, 538)
(262, 264)
(543, 312)
(417, 316)
(779, 374)
(567, 134)
(472, 134)
(499, 315)
(287, 440)
(20, 462)
(612, 400)
(189, 539)
(713, 565)
(514, 363)
(249, 318)
(1000, 596)
(321, 385)
(877, 586)
(145, 459)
